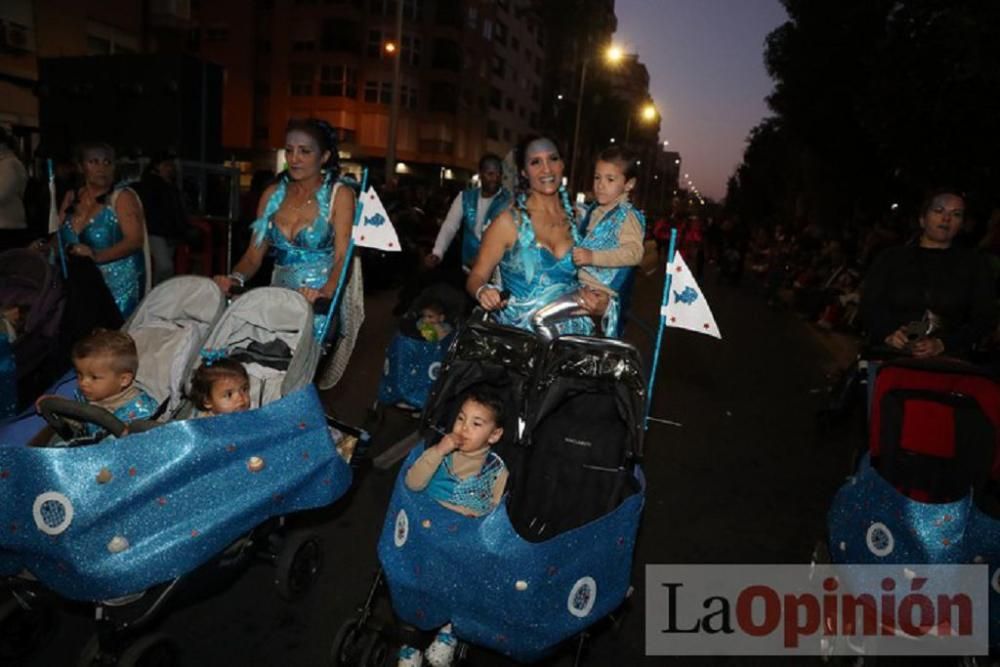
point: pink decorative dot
(305, 455)
(195, 533)
(4, 474)
(162, 501)
(132, 471)
(328, 481)
(302, 425)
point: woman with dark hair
(531, 243)
(305, 217)
(931, 298)
(106, 225)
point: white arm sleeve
(449, 227)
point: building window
(216, 33)
(522, 112)
(374, 48)
(472, 18)
(378, 92)
(436, 146)
(500, 32)
(302, 46)
(496, 99)
(535, 93)
(509, 104)
(487, 29)
(338, 81)
(498, 66)
(411, 8)
(515, 44)
(408, 97)
(492, 131)
(98, 46)
(341, 36)
(447, 55)
(411, 49)
(506, 134)
(300, 77)
(443, 97)
(534, 119)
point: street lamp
(612, 55)
(646, 113)
(390, 47)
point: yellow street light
(390, 47)
(614, 54)
(648, 112)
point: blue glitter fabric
(170, 500)
(870, 522)
(306, 260)
(126, 276)
(518, 598)
(605, 236)
(475, 493)
(534, 277)
(8, 378)
(470, 209)
(142, 406)
(410, 370)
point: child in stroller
(926, 490)
(133, 522)
(414, 357)
(220, 387)
(516, 579)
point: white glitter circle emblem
(879, 539)
(402, 529)
(53, 512)
(521, 585)
(995, 581)
(582, 597)
(434, 370)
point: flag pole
(659, 334)
(54, 215)
(335, 302)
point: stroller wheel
(298, 564)
(155, 650)
(21, 630)
(375, 652)
(348, 645)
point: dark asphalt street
(744, 479)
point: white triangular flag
(374, 229)
(686, 305)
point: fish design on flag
(687, 297)
(376, 220)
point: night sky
(707, 76)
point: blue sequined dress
(534, 277)
(125, 276)
(306, 260)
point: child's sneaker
(409, 657)
(442, 650)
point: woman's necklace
(309, 199)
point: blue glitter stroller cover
(8, 378)
(499, 591)
(114, 518)
(411, 367)
(871, 522)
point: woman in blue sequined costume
(107, 225)
(304, 218)
(531, 244)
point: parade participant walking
(305, 217)
(532, 245)
(472, 210)
(106, 225)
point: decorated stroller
(926, 491)
(413, 360)
(176, 509)
(519, 580)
